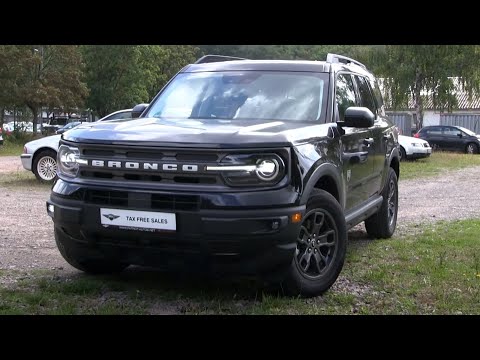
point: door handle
(355, 157)
(368, 141)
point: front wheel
(471, 149)
(321, 248)
(383, 223)
(45, 165)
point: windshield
(243, 95)
(469, 132)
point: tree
(49, 75)
(120, 76)
(418, 71)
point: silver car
(40, 156)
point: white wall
(431, 118)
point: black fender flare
(325, 169)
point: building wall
(431, 118)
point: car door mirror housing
(138, 110)
(358, 117)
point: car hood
(49, 141)
(402, 139)
(198, 133)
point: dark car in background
(454, 138)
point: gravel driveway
(26, 232)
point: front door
(357, 145)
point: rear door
(376, 143)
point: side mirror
(459, 135)
(358, 117)
(138, 110)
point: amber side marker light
(296, 218)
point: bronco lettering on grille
(143, 165)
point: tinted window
(451, 131)
(376, 92)
(344, 94)
(436, 130)
(366, 98)
(243, 95)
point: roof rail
(334, 58)
(216, 58)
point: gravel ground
(26, 232)
(10, 164)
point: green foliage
(418, 70)
(41, 75)
(121, 76)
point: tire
(316, 275)
(471, 148)
(383, 223)
(84, 260)
(403, 154)
(45, 165)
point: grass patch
(436, 272)
(11, 149)
(436, 164)
(22, 179)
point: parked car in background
(68, 127)
(120, 114)
(40, 156)
(413, 148)
(454, 138)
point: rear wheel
(382, 224)
(45, 165)
(321, 248)
(471, 148)
(84, 259)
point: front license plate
(138, 220)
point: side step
(364, 211)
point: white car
(40, 156)
(413, 148)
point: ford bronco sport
(257, 167)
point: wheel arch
(326, 177)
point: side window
(450, 131)
(366, 98)
(344, 94)
(376, 92)
(436, 130)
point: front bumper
(237, 240)
(26, 161)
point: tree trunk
(35, 117)
(2, 116)
(418, 100)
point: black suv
(454, 138)
(257, 167)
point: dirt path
(10, 164)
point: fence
(469, 121)
(403, 120)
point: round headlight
(267, 169)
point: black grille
(138, 200)
(156, 156)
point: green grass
(436, 272)
(11, 149)
(436, 164)
(22, 179)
